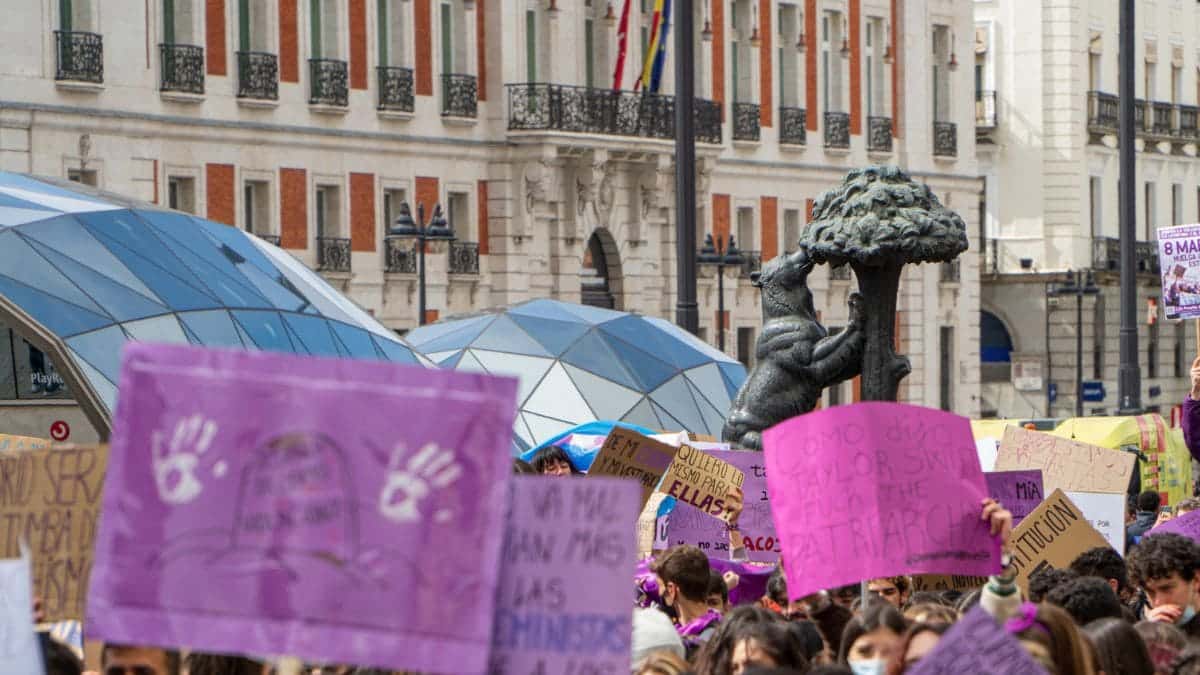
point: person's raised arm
(1000, 596)
(1190, 420)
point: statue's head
(783, 282)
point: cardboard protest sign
(1018, 491)
(702, 480)
(688, 525)
(1179, 260)
(1106, 512)
(648, 535)
(51, 500)
(563, 600)
(1065, 464)
(1186, 524)
(314, 498)
(976, 644)
(19, 648)
(628, 454)
(877, 489)
(946, 582)
(1052, 536)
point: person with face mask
(682, 575)
(872, 638)
(1165, 565)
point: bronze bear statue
(796, 358)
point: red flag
(622, 43)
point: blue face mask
(872, 667)
(1189, 613)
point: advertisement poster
(1179, 258)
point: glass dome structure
(83, 271)
(578, 363)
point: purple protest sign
(976, 644)
(563, 603)
(1179, 260)
(1018, 491)
(263, 503)
(689, 525)
(877, 489)
(1187, 524)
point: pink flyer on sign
(877, 489)
(261, 503)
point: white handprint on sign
(175, 463)
(409, 485)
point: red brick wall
(765, 51)
(482, 198)
(855, 67)
(289, 42)
(720, 226)
(423, 30)
(718, 54)
(293, 208)
(214, 37)
(426, 192)
(769, 208)
(358, 45)
(218, 184)
(481, 53)
(431, 315)
(813, 41)
(362, 212)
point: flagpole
(687, 313)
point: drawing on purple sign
(563, 599)
(976, 644)
(688, 525)
(1018, 491)
(308, 510)
(877, 489)
(1179, 260)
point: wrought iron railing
(751, 262)
(182, 68)
(400, 255)
(1106, 255)
(792, 122)
(333, 254)
(837, 129)
(460, 95)
(395, 88)
(327, 82)
(985, 109)
(840, 273)
(879, 134)
(945, 139)
(1103, 112)
(746, 118)
(258, 75)
(559, 107)
(1146, 254)
(269, 238)
(1163, 121)
(951, 271)
(1139, 115)
(1188, 115)
(80, 56)
(464, 257)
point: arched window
(995, 344)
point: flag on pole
(651, 47)
(622, 43)
(660, 57)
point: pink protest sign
(262, 503)
(877, 489)
(565, 577)
(689, 525)
(1018, 491)
(1187, 524)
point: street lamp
(437, 229)
(720, 255)
(1077, 285)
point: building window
(531, 50)
(85, 176)
(1181, 362)
(1099, 336)
(392, 199)
(789, 57)
(391, 32)
(1152, 351)
(875, 79)
(328, 212)
(253, 32)
(1096, 199)
(323, 15)
(741, 51)
(1148, 89)
(181, 193)
(458, 214)
(1148, 215)
(791, 230)
(75, 15)
(941, 74)
(178, 20)
(745, 228)
(1094, 72)
(1176, 84)
(831, 61)
(453, 38)
(256, 207)
(946, 353)
(1176, 204)
(745, 346)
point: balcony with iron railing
(879, 134)
(985, 110)
(258, 76)
(395, 88)
(951, 271)
(1106, 255)
(1103, 112)
(746, 117)
(945, 139)
(589, 110)
(1187, 117)
(460, 95)
(464, 257)
(80, 56)
(182, 69)
(792, 123)
(400, 255)
(837, 130)
(328, 83)
(1162, 120)
(333, 254)
(1139, 115)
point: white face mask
(871, 667)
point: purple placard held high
(976, 644)
(262, 503)
(689, 525)
(566, 577)
(1179, 260)
(1018, 491)
(877, 489)
(1187, 524)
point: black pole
(1049, 360)
(687, 313)
(421, 264)
(1079, 347)
(1129, 376)
(721, 301)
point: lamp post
(437, 229)
(1078, 284)
(721, 255)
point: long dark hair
(1120, 650)
(550, 455)
(770, 632)
(878, 614)
(898, 666)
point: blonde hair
(662, 662)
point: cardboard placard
(51, 498)
(1052, 536)
(628, 454)
(976, 644)
(1106, 512)
(1018, 491)
(688, 525)
(1065, 464)
(702, 480)
(1179, 260)
(648, 525)
(946, 582)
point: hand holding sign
(705, 482)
